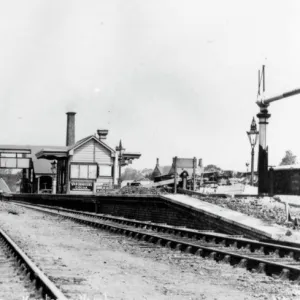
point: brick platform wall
(142, 207)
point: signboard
(81, 186)
(104, 187)
(185, 163)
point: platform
(274, 232)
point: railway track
(20, 277)
(281, 262)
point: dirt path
(91, 263)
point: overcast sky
(168, 77)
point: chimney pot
(102, 133)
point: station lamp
(53, 167)
(252, 135)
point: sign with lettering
(81, 186)
(100, 188)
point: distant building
(160, 171)
(284, 180)
(165, 173)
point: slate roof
(42, 166)
(86, 139)
(161, 171)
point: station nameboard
(185, 163)
(81, 186)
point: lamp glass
(53, 166)
(252, 135)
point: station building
(88, 166)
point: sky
(168, 77)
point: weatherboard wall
(89, 153)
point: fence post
(194, 173)
(271, 182)
(175, 174)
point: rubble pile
(269, 212)
(11, 208)
(140, 190)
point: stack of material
(271, 212)
(127, 190)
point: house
(160, 171)
(36, 173)
(165, 173)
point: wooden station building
(87, 166)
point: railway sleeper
(212, 255)
(245, 247)
(243, 263)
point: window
(92, 171)
(83, 171)
(105, 171)
(75, 171)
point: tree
(212, 168)
(288, 159)
(133, 174)
(129, 174)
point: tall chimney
(70, 141)
(157, 162)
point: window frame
(105, 176)
(88, 172)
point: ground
(92, 262)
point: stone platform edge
(216, 216)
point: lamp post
(247, 165)
(252, 135)
(53, 169)
(121, 151)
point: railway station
(87, 166)
(76, 191)
(189, 210)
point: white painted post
(116, 169)
(54, 184)
(38, 185)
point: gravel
(269, 210)
(89, 262)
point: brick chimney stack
(70, 140)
